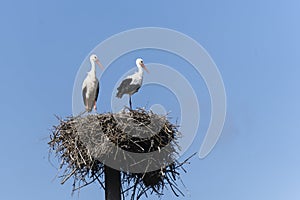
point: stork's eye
(141, 61)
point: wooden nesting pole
(112, 184)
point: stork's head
(140, 63)
(94, 59)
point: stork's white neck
(140, 70)
(93, 68)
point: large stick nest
(144, 144)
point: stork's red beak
(145, 68)
(99, 64)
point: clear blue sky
(255, 44)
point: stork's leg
(86, 105)
(130, 104)
(95, 106)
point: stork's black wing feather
(84, 95)
(97, 92)
(127, 88)
(125, 83)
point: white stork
(90, 85)
(131, 84)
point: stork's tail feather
(87, 109)
(119, 94)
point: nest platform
(142, 145)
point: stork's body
(131, 84)
(90, 86)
